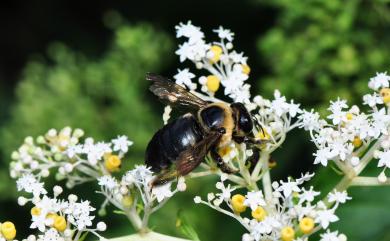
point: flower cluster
(78, 162)
(62, 151)
(353, 137)
(56, 219)
(225, 66)
(291, 214)
(134, 191)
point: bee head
(242, 118)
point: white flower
(325, 217)
(121, 143)
(30, 184)
(381, 80)
(254, 199)
(189, 31)
(339, 197)
(224, 33)
(310, 121)
(308, 195)
(162, 192)
(288, 187)
(329, 236)
(372, 100)
(80, 214)
(264, 227)
(305, 177)
(140, 174)
(50, 235)
(322, 156)
(279, 104)
(108, 182)
(183, 77)
(384, 159)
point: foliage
(104, 96)
(318, 46)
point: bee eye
(244, 119)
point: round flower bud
(72, 198)
(197, 199)
(382, 177)
(41, 140)
(181, 185)
(68, 167)
(259, 214)
(229, 45)
(59, 223)
(112, 163)
(22, 201)
(8, 230)
(52, 133)
(212, 83)
(31, 238)
(15, 155)
(287, 234)
(101, 226)
(57, 190)
(238, 203)
(306, 225)
(355, 161)
(199, 65)
(45, 173)
(342, 237)
(78, 133)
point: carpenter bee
(182, 144)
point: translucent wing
(189, 159)
(173, 94)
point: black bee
(181, 145)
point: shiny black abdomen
(213, 116)
(171, 140)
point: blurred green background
(83, 64)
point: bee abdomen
(167, 144)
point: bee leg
(248, 140)
(220, 163)
(252, 160)
(164, 177)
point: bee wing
(173, 94)
(189, 159)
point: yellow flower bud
(385, 93)
(263, 135)
(59, 223)
(224, 151)
(127, 201)
(112, 163)
(306, 225)
(357, 142)
(349, 116)
(245, 69)
(35, 211)
(8, 230)
(238, 203)
(287, 234)
(212, 83)
(259, 214)
(217, 52)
